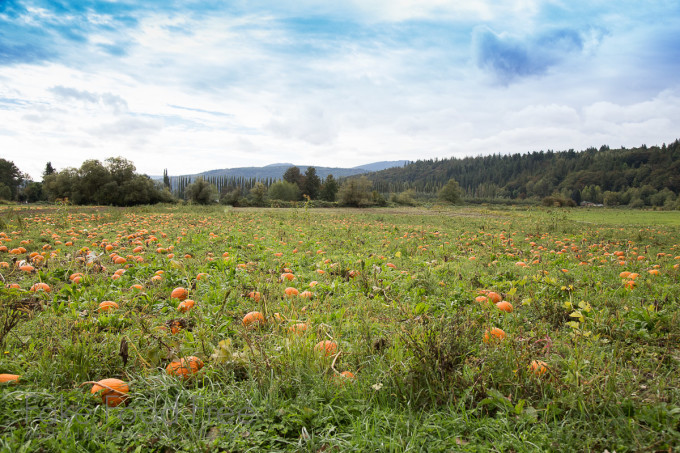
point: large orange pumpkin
(494, 297)
(179, 293)
(113, 391)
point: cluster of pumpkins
(114, 392)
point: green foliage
(201, 192)
(5, 192)
(636, 174)
(10, 178)
(293, 176)
(558, 201)
(356, 192)
(258, 194)
(284, 190)
(329, 189)
(450, 192)
(404, 198)
(114, 183)
(312, 183)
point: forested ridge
(623, 175)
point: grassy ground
(588, 361)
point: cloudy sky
(198, 85)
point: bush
(284, 191)
(356, 192)
(450, 192)
(558, 201)
(404, 198)
(201, 192)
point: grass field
(583, 356)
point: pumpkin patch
(235, 333)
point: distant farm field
(443, 329)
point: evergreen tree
(312, 183)
(49, 170)
(329, 189)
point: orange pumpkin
(108, 305)
(184, 367)
(9, 378)
(493, 334)
(253, 319)
(179, 293)
(494, 297)
(113, 391)
(327, 346)
(41, 287)
(538, 367)
(298, 328)
(185, 305)
(291, 292)
(504, 306)
(342, 378)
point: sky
(190, 86)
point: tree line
(637, 177)
(114, 182)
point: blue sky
(197, 85)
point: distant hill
(276, 171)
(377, 166)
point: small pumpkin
(41, 287)
(494, 334)
(184, 367)
(179, 293)
(185, 305)
(504, 306)
(328, 347)
(494, 297)
(298, 328)
(538, 367)
(9, 378)
(112, 391)
(253, 320)
(291, 292)
(108, 305)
